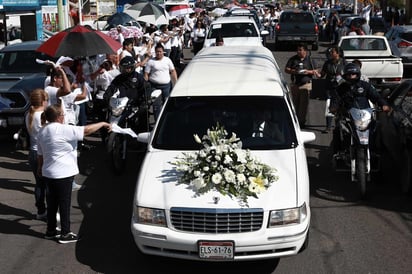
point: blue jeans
(40, 187)
(157, 105)
(59, 198)
(82, 114)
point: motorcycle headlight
(361, 125)
(361, 118)
(150, 216)
(288, 216)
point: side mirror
(143, 137)
(307, 136)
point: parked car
(296, 27)
(236, 31)
(174, 218)
(400, 41)
(19, 75)
(383, 69)
(249, 13)
(245, 12)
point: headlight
(287, 216)
(150, 216)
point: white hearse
(196, 198)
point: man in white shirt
(366, 11)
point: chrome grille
(208, 220)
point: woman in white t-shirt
(38, 102)
(57, 165)
(198, 36)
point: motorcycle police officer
(353, 92)
(129, 83)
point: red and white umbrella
(180, 10)
(79, 41)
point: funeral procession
(206, 136)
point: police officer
(129, 83)
(353, 92)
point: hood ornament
(216, 200)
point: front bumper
(11, 121)
(297, 38)
(262, 244)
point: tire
(115, 146)
(361, 174)
(406, 171)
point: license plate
(216, 250)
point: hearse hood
(157, 185)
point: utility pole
(355, 7)
(62, 17)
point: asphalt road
(346, 236)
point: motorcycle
(354, 130)
(401, 102)
(132, 117)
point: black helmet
(349, 70)
(127, 62)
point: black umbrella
(119, 18)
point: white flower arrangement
(223, 165)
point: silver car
(400, 41)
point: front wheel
(361, 170)
(116, 145)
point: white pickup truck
(383, 69)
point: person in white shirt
(161, 74)
(68, 103)
(162, 37)
(59, 85)
(57, 165)
(366, 11)
(190, 22)
(198, 36)
(38, 102)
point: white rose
(229, 175)
(227, 160)
(217, 178)
(241, 155)
(241, 178)
(198, 183)
(197, 173)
